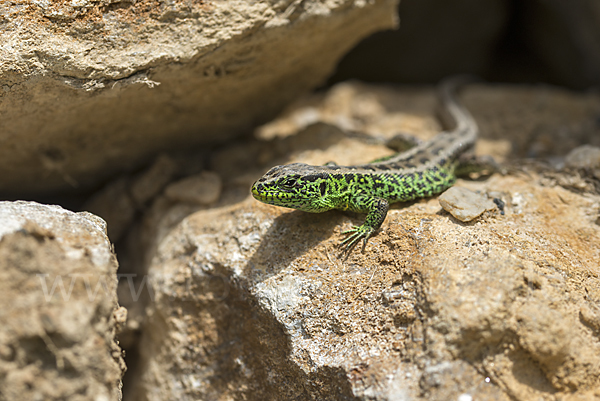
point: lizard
(422, 171)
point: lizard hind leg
(402, 142)
(474, 167)
(399, 143)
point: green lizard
(422, 171)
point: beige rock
(254, 301)
(120, 200)
(427, 292)
(203, 188)
(463, 204)
(114, 204)
(151, 182)
(585, 157)
(59, 307)
(91, 88)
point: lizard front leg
(376, 209)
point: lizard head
(297, 186)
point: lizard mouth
(260, 194)
(270, 196)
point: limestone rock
(463, 204)
(93, 87)
(203, 188)
(255, 302)
(59, 307)
(586, 158)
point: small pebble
(500, 203)
(463, 204)
(204, 188)
(150, 182)
(585, 156)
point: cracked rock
(59, 306)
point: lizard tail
(462, 119)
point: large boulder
(257, 302)
(93, 87)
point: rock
(465, 205)
(203, 188)
(59, 307)
(536, 41)
(563, 120)
(114, 204)
(120, 200)
(153, 180)
(255, 302)
(463, 301)
(92, 88)
(585, 157)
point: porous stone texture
(256, 302)
(59, 306)
(93, 87)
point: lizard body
(425, 170)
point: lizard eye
(289, 183)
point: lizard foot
(356, 233)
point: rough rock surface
(254, 302)
(59, 306)
(92, 87)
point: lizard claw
(356, 233)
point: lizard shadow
(294, 233)
(291, 235)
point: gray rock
(433, 35)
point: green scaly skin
(422, 171)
